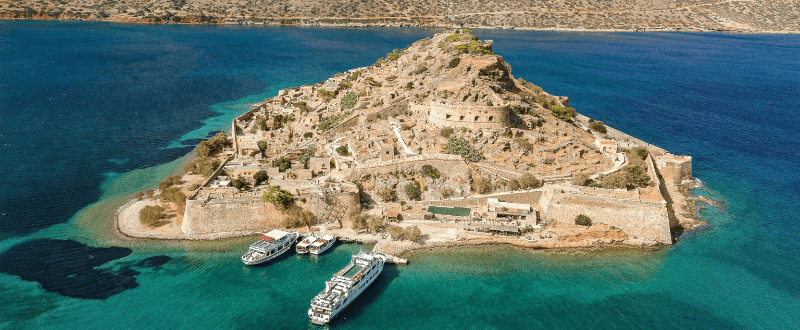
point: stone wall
(388, 111)
(469, 116)
(523, 197)
(229, 215)
(343, 126)
(643, 221)
(451, 165)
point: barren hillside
(691, 15)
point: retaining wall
(475, 117)
(229, 215)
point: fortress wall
(647, 221)
(390, 110)
(446, 115)
(229, 215)
(524, 197)
(450, 165)
(674, 169)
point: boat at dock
(322, 244)
(302, 246)
(269, 246)
(345, 286)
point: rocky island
(436, 144)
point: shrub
(430, 171)
(308, 134)
(583, 220)
(151, 216)
(598, 126)
(513, 184)
(528, 181)
(459, 146)
(412, 190)
(307, 155)
(482, 186)
(174, 194)
(410, 85)
(563, 113)
(454, 62)
(139, 195)
(325, 94)
(405, 127)
(282, 164)
(581, 179)
(349, 100)
(387, 194)
(391, 78)
(524, 144)
(169, 182)
(303, 106)
(419, 70)
(149, 193)
(194, 186)
(628, 177)
(341, 150)
(446, 132)
(278, 197)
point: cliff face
(681, 15)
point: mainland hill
(776, 16)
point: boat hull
(323, 248)
(352, 297)
(268, 257)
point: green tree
(173, 194)
(413, 233)
(358, 221)
(260, 176)
(583, 220)
(169, 182)
(342, 150)
(299, 218)
(238, 184)
(459, 146)
(278, 197)
(282, 164)
(430, 171)
(387, 194)
(397, 232)
(563, 113)
(513, 184)
(412, 190)
(374, 223)
(446, 132)
(262, 146)
(202, 150)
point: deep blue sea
(91, 113)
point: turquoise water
(91, 113)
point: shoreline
(423, 25)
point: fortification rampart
(452, 165)
(470, 116)
(388, 111)
(644, 221)
(674, 169)
(229, 215)
(524, 197)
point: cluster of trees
(260, 176)
(205, 163)
(342, 150)
(361, 222)
(151, 216)
(298, 217)
(170, 181)
(563, 113)
(459, 146)
(412, 233)
(329, 121)
(307, 155)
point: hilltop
(595, 15)
(439, 138)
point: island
(436, 144)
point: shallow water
(93, 112)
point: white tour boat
(302, 246)
(345, 286)
(269, 246)
(322, 244)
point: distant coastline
(729, 16)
